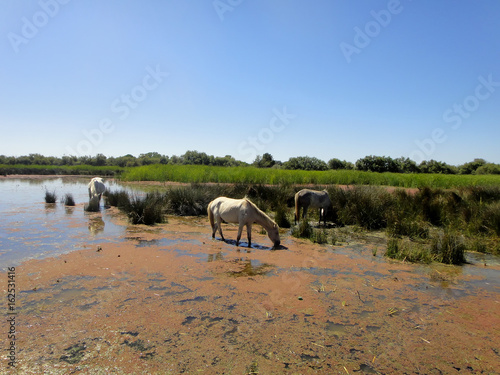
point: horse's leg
(240, 229)
(304, 214)
(249, 234)
(214, 228)
(219, 224)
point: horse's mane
(260, 212)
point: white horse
(306, 198)
(96, 188)
(243, 212)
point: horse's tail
(296, 207)
(211, 215)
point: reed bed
(272, 176)
(430, 224)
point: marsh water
(169, 299)
(32, 229)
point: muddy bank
(169, 299)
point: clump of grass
(448, 247)
(187, 201)
(406, 227)
(407, 250)
(365, 206)
(118, 199)
(303, 230)
(146, 210)
(50, 196)
(445, 247)
(68, 200)
(491, 215)
(281, 217)
(319, 236)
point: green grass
(253, 175)
(84, 170)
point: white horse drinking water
(243, 212)
(96, 188)
(306, 198)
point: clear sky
(330, 79)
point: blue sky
(330, 79)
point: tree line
(368, 163)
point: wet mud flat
(170, 300)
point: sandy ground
(171, 300)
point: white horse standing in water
(96, 188)
(306, 198)
(243, 212)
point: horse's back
(228, 209)
(96, 186)
(311, 197)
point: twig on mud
(346, 370)
(321, 346)
(359, 296)
(428, 342)
(393, 311)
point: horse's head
(274, 234)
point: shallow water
(31, 228)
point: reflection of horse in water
(243, 212)
(306, 198)
(96, 188)
(96, 225)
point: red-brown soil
(171, 300)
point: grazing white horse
(306, 198)
(96, 188)
(243, 212)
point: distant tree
(68, 160)
(150, 158)
(264, 161)
(433, 166)
(471, 167)
(406, 165)
(99, 160)
(306, 163)
(339, 164)
(195, 158)
(174, 159)
(377, 164)
(125, 161)
(488, 168)
(226, 161)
